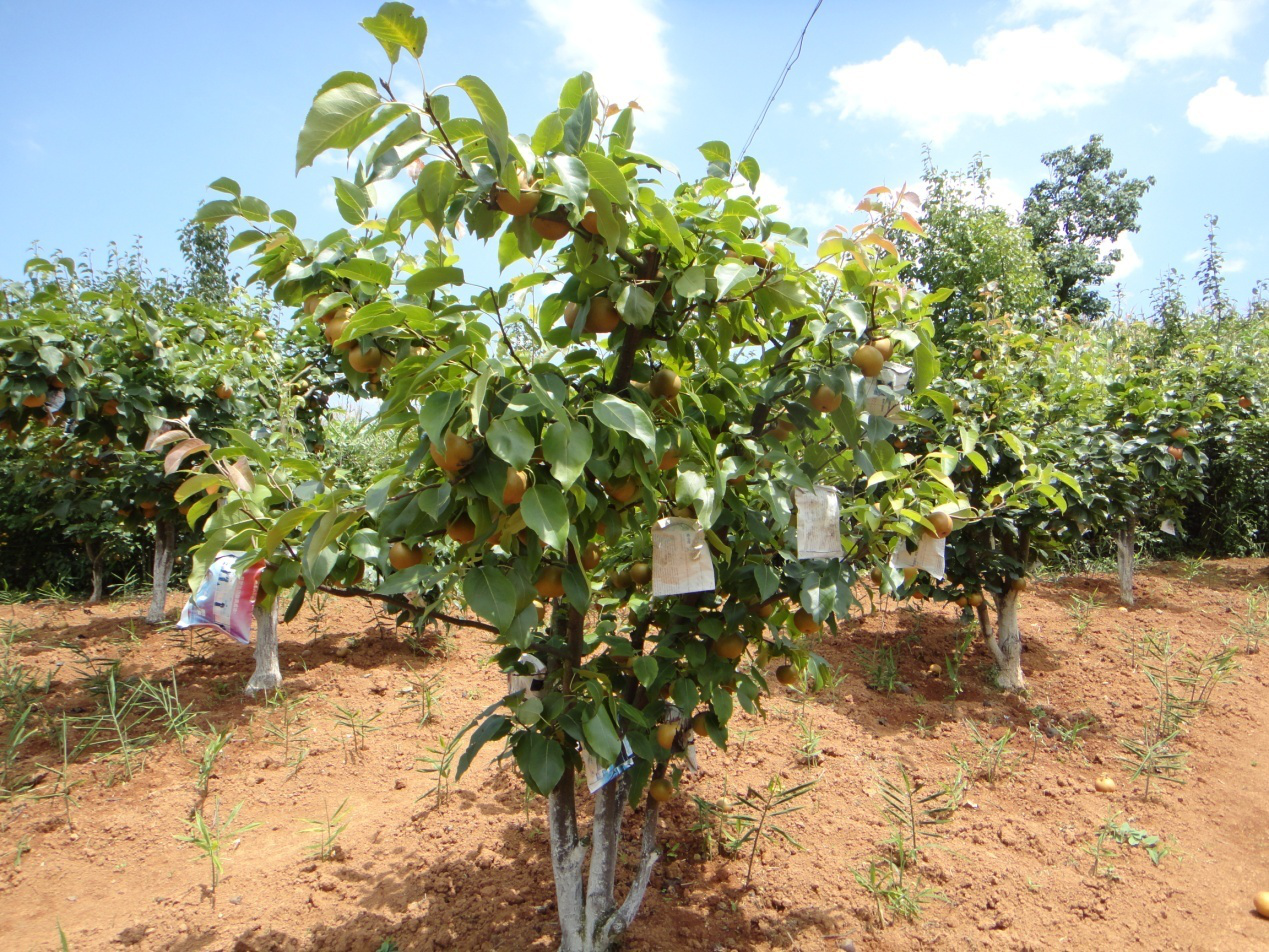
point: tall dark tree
(1074, 215)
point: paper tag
(1168, 526)
(530, 684)
(895, 377)
(928, 556)
(680, 558)
(597, 776)
(819, 523)
(54, 400)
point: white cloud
(1224, 112)
(829, 208)
(1235, 265)
(620, 43)
(1130, 261)
(1151, 31)
(1056, 56)
(1013, 76)
(1003, 193)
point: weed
(287, 730)
(758, 824)
(1153, 757)
(808, 745)
(1127, 834)
(1253, 626)
(22, 847)
(1101, 853)
(207, 762)
(1081, 611)
(994, 757)
(886, 884)
(908, 812)
(923, 727)
(196, 644)
(208, 836)
(440, 764)
(20, 731)
(424, 696)
(952, 666)
(881, 668)
(63, 784)
(325, 833)
(358, 728)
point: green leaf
(691, 282)
(541, 761)
(567, 446)
(546, 513)
(574, 179)
(511, 441)
(748, 168)
(626, 417)
(668, 224)
(228, 186)
(606, 176)
(395, 26)
(601, 736)
(491, 728)
(716, 151)
(341, 117)
(352, 201)
(925, 367)
(490, 595)
(429, 279)
(645, 669)
(364, 269)
(636, 305)
(734, 276)
(549, 134)
(215, 211)
(492, 117)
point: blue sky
(116, 116)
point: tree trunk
(164, 559)
(984, 620)
(268, 675)
(590, 920)
(1006, 643)
(1125, 545)
(96, 564)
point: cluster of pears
(366, 360)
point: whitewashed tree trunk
(1125, 546)
(96, 564)
(1006, 643)
(164, 559)
(590, 919)
(268, 674)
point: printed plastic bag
(225, 598)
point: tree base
(268, 674)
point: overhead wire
(775, 91)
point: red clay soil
(1010, 870)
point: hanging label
(819, 523)
(680, 558)
(928, 556)
(531, 684)
(894, 377)
(1168, 526)
(597, 776)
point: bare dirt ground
(1011, 870)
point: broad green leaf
(601, 735)
(636, 305)
(626, 417)
(541, 760)
(567, 446)
(549, 134)
(606, 176)
(490, 595)
(511, 441)
(492, 117)
(364, 269)
(668, 224)
(691, 282)
(574, 179)
(716, 151)
(645, 669)
(491, 728)
(395, 26)
(429, 279)
(546, 513)
(341, 117)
